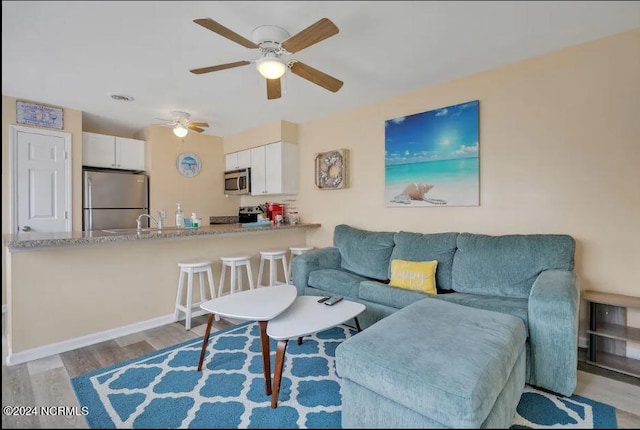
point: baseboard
(82, 341)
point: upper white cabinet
(238, 160)
(274, 169)
(100, 150)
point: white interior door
(41, 188)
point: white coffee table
(259, 304)
(306, 316)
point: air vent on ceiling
(121, 98)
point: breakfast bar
(68, 290)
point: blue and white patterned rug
(164, 389)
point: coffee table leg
(299, 341)
(266, 360)
(205, 341)
(282, 348)
(357, 324)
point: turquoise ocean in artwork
(434, 172)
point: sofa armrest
(303, 265)
(553, 331)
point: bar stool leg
(289, 268)
(203, 296)
(212, 287)
(284, 268)
(176, 313)
(187, 323)
(223, 271)
(239, 277)
(273, 277)
(250, 275)
(260, 272)
(232, 288)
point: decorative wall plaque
(39, 115)
(332, 170)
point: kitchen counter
(24, 241)
(89, 287)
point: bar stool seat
(296, 251)
(189, 268)
(272, 255)
(235, 263)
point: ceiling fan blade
(199, 124)
(223, 31)
(273, 89)
(219, 67)
(194, 128)
(311, 35)
(316, 76)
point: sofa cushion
(383, 294)
(427, 247)
(414, 275)
(506, 305)
(508, 265)
(445, 361)
(364, 252)
(336, 281)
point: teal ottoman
(434, 364)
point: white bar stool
(235, 264)
(189, 268)
(295, 251)
(271, 255)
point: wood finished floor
(47, 382)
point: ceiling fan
(275, 43)
(181, 123)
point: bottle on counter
(179, 217)
(195, 221)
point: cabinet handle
(113, 165)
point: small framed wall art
(332, 170)
(39, 115)
(188, 164)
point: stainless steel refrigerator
(112, 199)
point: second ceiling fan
(275, 43)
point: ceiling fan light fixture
(271, 67)
(180, 130)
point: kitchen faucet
(139, 220)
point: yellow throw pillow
(414, 275)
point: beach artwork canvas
(432, 158)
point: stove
(248, 214)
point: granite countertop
(25, 241)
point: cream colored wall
(72, 124)
(203, 193)
(559, 153)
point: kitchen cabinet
(238, 160)
(274, 169)
(101, 150)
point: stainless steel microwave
(237, 181)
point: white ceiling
(73, 53)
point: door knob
(26, 228)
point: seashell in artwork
(416, 191)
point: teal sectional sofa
(530, 277)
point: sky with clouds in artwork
(441, 134)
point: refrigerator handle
(90, 203)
